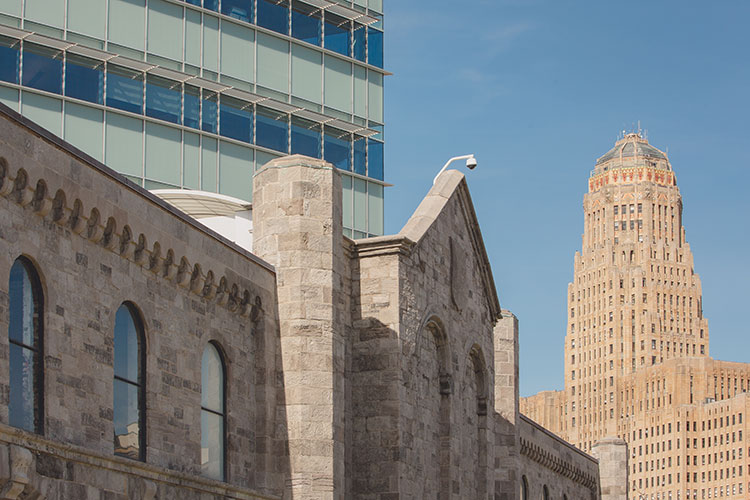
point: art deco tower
(635, 299)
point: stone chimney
(612, 454)
(297, 225)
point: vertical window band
(213, 414)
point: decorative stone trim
(103, 231)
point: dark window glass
(129, 395)
(375, 159)
(360, 49)
(10, 57)
(306, 23)
(194, 2)
(163, 99)
(338, 34)
(360, 149)
(124, 89)
(375, 47)
(236, 119)
(192, 106)
(209, 112)
(212, 414)
(211, 5)
(25, 337)
(337, 148)
(84, 79)
(238, 9)
(305, 137)
(271, 129)
(42, 68)
(274, 15)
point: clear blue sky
(538, 90)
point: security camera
(471, 163)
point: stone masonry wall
(98, 241)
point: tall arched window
(26, 353)
(213, 416)
(545, 493)
(129, 385)
(524, 488)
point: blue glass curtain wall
(360, 155)
(306, 23)
(163, 99)
(337, 146)
(42, 68)
(238, 9)
(359, 51)
(375, 47)
(271, 129)
(235, 119)
(209, 111)
(10, 59)
(84, 79)
(192, 107)
(274, 15)
(375, 159)
(338, 34)
(305, 137)
(124, 89)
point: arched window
(545, 492)
(524, 488)
(26, 353)
(213, 415)
(129, 385)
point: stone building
(148, 356)
(637, 362)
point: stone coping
(557, 438)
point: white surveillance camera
(471, 163)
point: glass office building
(196, 94)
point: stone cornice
(382, 245)
(621, 175)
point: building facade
(637, 362)
(147, 356)
(197, 94)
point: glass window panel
(10, 57)
(360, 91)
(124, 89)
(307, 68)
(359, 51)
(306, 22)
(261, 158)
(237, 54)
(337, 148)
(236, 171)
(360, 205)
(42, 68)
(375, 159)
(273, 62)
(9, 97)
(376, 5)
(22, 302)
(84, 79)
(165, 29)
(84, 128)
(271, 129)
(12, 7)
(126, 419)
(209, 112)
(375, 47)
(163, 153)
(124, 144)
(274, 15)
(191, 161)
(163, 99)
(126, 345)
(210, 43)
(212, 380)
(346, 182)
(194, 2)
(127, 22)
(238, 9)
(209, 158)
(375, 208)
(192, 37)
(338, 84)
(49, 12)
(22, 401)
(375, 96)
(211, 5)
(192, 106)
(212, 445)
(360, 148)
(236, 119)
(45, 111)
(338, 34)
(305, 137)
(87, 17)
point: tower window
(213, 416)
(129, 387)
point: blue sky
(537, 90)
